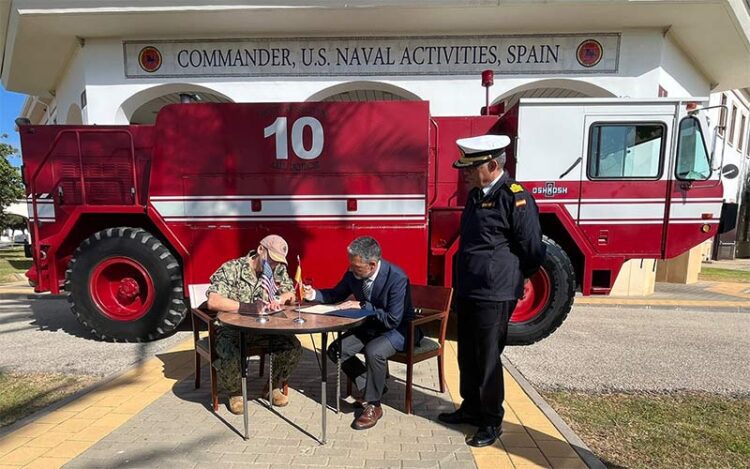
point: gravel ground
(43, 336)
(629, 349)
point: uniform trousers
(482, 331)
(286, 350)
(369, 376)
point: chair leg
(214, 388)
(348, 386)
(409, 373)
(441, 373)
(197, 370)
(262, 368)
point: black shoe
(458, 417)
(485, 436)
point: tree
(11, 187)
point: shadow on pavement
(305, 383)
(55, 315)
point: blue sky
(10, 107)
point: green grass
(23, 394)
(724, 275)
(12, 261)
(660, 431)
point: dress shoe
(360, 402)
(236, 404)
(458, 417)
(484, 436)
(368, 418)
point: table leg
(338, 375)
(323, 373)
(243, 370)
(270, 380)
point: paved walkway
(733, 264)
(152, 417)
(703, 294)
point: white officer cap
(479, 150)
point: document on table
(319, 309)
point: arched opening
(74, 116)
(142, 107)
(364, 91)
(553, 88)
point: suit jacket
(390, 299)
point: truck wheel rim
(535, 297)
(122, 289)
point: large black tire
(106, 270)
(557, 301)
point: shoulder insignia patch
(516, 188)
(520, 202)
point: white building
(120, 61)
(114, 62)
(735, 169)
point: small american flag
(267, 282)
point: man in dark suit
(382, 288)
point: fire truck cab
(130, 219)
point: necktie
(366, 289)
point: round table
(282, 323)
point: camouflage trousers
(286, 351)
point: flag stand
(298, 293)
(299, 319)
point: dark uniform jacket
(390, 300)
(501, 242)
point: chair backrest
(431, 297)
(197, 293)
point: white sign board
(383, 56)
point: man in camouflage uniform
(236, 284)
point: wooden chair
(205, 348)
(203, 319)
(430, 304)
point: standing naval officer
(501, 246)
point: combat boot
(236, 404)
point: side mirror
(719, 129)
(21, 121)
(717, 162)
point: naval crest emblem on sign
(149, 58)
(589, 53)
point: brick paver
(703, 294)
(180, 427)
(152, 417)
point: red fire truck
(129, 220)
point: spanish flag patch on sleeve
(520, 202)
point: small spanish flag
(298, 280)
